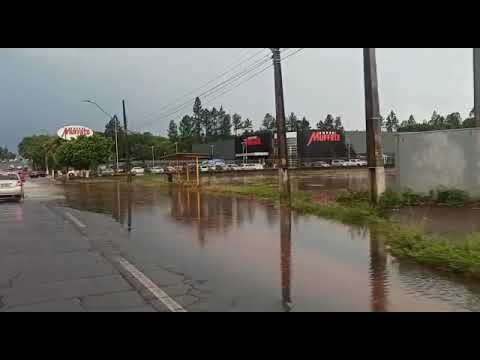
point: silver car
(11, 186)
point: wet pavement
(218, 253)
(209, 253)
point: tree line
(5, 154)
(205, 125)
(436, 122)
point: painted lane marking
(75, 220)
(171, 304)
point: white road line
(75, 220)
(171, 304)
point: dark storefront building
(222, 149)
(254, 147)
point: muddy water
(252, 256)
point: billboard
(74, 131)
(322, 144)
(254, 143)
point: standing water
(254, 256)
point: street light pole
(153, 157)
(115, 119)
(376, 167)
(284, 181)
(127, 147)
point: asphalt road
(52, 261)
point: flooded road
(252, 256)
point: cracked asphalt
(48, 264)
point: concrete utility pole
(476, 85)
(376, 167)
(115, 119)
(127, 146)
(153, 156)
(283, 177)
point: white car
(137, 171)
(338, 163)
(233, 167)
(11, 186)
(204, 168)
(252, 167)
(157, 170)
(357, 162)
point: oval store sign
(73, 132)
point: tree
(225, 129)
(268, 122)
(437, 121)
(236, 123)
(247, 126)
(408, 125)
(84, 153)
(172, 131)
(186, 127)
(304, 126)
(5, 154)
(327, 124)
(110, 129)
(453, 121)
(338, 124)
(292, 122)
(32, 148)
(391, 122)
(197, 118)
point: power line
(214, 89)
(231, 67)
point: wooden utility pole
(283, 176)
(373, 126)
(476, 85)
(127, 146)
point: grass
(403, 241)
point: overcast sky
(41, 89)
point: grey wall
(358, 139)
(224, 149)
(428, 160)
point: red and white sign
(324, 136)
(253, 141)
(73, 132)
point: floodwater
(254, 256)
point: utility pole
(374, 131)
(153, 156)
(476, 85)
(115, 120)
(127, 146)
(283, 178)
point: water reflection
(238, 244)
(286, 255)
(378, 273)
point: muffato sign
(73, 132)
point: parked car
(252, 167)
(107, 172)
(339, 163)
(156, 170)
(11, 186)
(138, 171)
(322, 164)
(233, 167)
(357, 162)
(204, 168)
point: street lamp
(115, 120)
(211, 150)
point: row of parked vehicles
(339, 163)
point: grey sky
(41, 89)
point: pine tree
(247, 126)
(327, 124)
(304, 126)
(236, 123)
(338, 124)
(292, 122)
(197, 118)
(225, 129)
(268, 122)
(186, 127)
(172, 131)
(391, 122)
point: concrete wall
(358, 139)
(224, 149)
(430, 159)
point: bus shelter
(187, 166)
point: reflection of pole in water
(118, 202)
(129, 206)
(286, 254)
(378, 273)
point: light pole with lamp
(115, 120)
(211, 150)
